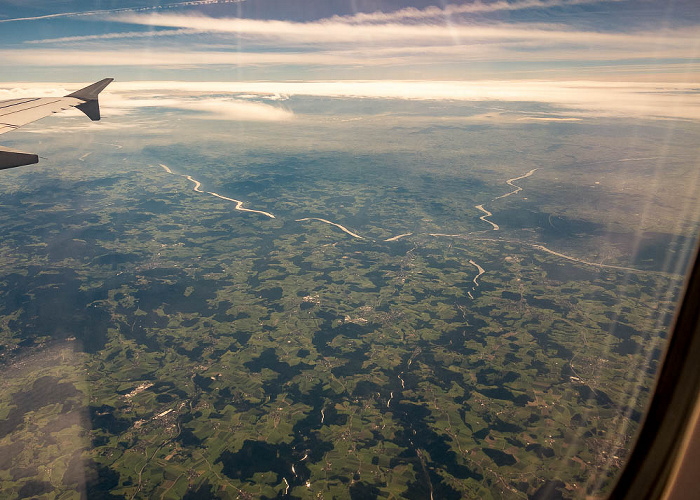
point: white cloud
(34, 89)
(657, 100)
(406, 56)
(580, 98)
(335, 31)
(114, 36)
(239, 110)
(171, 58)
(206, 107)
(476, 7)
(408, 13)
(401, 41)
(119, 101)
(86, 13)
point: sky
(614, 57)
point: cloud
(405, 39)
(84, 13)
(114, 36)
(407, 13)
(477, 7)
(173, 58)
(205, 107)
(115, 101)
(407, 56)
(578, 99)
(440, 40)
(334, 31)
(239, 110)
(599, 98)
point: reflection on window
(402, 252)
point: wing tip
(91, 92)
(89, 95)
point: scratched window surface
(342, 249)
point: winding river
(487, 214)
(517, 188)
(342, 228)
(239, 205)
(480, 271)
(197, 184)
(484, 218)
(395, 238)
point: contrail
(192, 3)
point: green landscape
(333, 315)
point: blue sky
(302, 39)
(525, 50)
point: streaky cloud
(477, 7)
(172, 58)
(114, 36)
(403, 56)
(191, 3)
(329, 31)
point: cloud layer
(342, 31)
(650, 100)
(253, 100)
(208, 107)
(462, 52)
(436, 40)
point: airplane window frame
(660, 444)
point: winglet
(89, 94)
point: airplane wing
(17, 112)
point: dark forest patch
(501, 458)
(44, 391)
